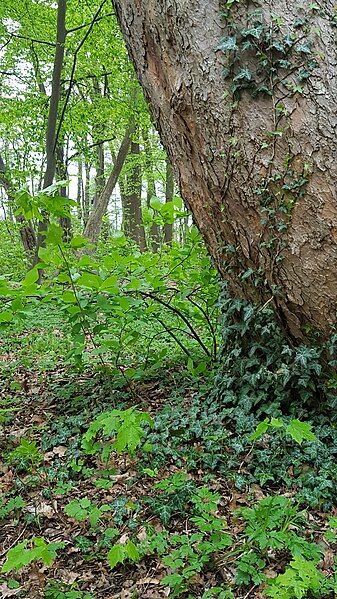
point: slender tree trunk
(245, 99)
(132, 201)
(98, 136)
(155, 232)
(169, 192)
(79, 196)
(51, 140)
(86, 195)
(62, 174)
(100, 172)
(94, 224)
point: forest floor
(51, 410)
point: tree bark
(51, 141)
(94, 224)
(254, 148)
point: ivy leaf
(300, 431)
(165, 514)
(304, 48)
(255, 32)
(228, 43)
(243, 74)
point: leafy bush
(300, 579)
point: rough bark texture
(223, 149)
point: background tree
(87, 111)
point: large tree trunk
(254, 149)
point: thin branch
(170, 332)
(31, 39)
(110, 14)
(208, 320)
(93, 145)
(181, 315)
(88, 77)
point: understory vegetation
(159, 437)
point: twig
(14, 542)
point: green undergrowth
(154, 434)
(141, 485)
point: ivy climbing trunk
(245, 102)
